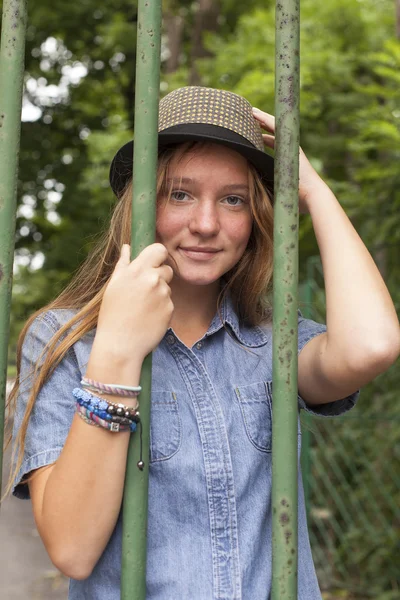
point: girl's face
(206, 223)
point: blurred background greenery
(78, 110)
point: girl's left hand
(308, 177)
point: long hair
(248, 282)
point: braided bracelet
(126, 391)
(86, 419)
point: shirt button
(170, 339)
(199, 345)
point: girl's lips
(199, 253)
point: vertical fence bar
(284, 434)
(134, 546)
(12, 53)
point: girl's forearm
(362, 324)
(82, 498)
(361, 320)
(83, 494)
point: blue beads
(98, 406)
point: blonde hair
(248, 283)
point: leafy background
(78, 110)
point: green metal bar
(12, 53)
(133, 582)
(284, 429)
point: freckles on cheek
(167, 225)
(162, 220)
(240, 234)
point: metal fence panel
(352, 476)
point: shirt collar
(252, 337)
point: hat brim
(121, 166)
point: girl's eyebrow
(178, 180)
(236, 186)
(191, 181)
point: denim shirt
(209, 527)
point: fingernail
(256, 109)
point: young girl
(197, 298)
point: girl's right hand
(136, 308)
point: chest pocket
(256, 407)
(255, 401)
(165, 426)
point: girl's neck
(194, 309)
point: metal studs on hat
(199, 114)
(209, 106)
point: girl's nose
(204, 219)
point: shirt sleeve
(54, 407)
(309, 329)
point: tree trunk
(397, 19)
(206, 19)
(174, 29)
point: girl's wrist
(109, 365)
(315, 197)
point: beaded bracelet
(92, 411)
(110, 388)
(92, 417)
(110, 423)
(116, 414)
(108, 409)
(118, 410)
(87, 403)
(97, 420)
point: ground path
(26, 572)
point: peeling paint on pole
(12, 53)
(284, 435)
(134, 540)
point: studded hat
(202, 114)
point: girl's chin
(198, 278)
(200, 274)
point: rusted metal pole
(285, 414)
(134, 546)
(12, 52)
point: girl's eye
(179, 196)
(234, 201)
